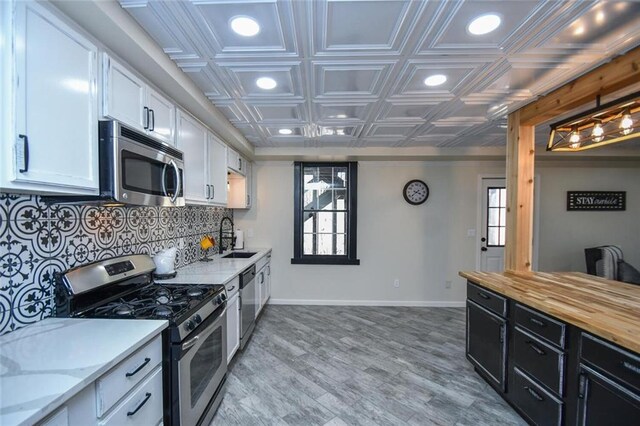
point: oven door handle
(178, 181)
(192, 342)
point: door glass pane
(503, 197)
(494, 197)
(494, 236)
(494, 216)
(204, 364)
(502, 236)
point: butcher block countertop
(605, 308)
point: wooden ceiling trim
(617, 74)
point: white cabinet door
(266, 293)
(124, 95)
(233, 326)
(217, 170)
(192, 141)
(234, 161)
(249, 184)
(162, 117)
(260, 288)
(55, 142)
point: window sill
(324, 260)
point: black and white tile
(38, 240)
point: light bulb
(574, 139)
(626, 125)
(597, 132)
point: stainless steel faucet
(231, 237)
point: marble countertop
(45, 364)
(217, 271)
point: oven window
(146, 175)
(204, 364)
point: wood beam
(518, 251)
(608, 78)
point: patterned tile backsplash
(37, 240)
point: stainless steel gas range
(195, 352)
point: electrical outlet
(447, 284)
(471, 233)
(396, 283)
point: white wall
(565, 234)
(427, 245)
(423, 246)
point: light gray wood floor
(330, 365)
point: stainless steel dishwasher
(247, 304)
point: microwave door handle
(178, 181)
(164, 176)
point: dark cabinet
(604, 402)
(486, 343)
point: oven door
(202, 366)
(145, 176)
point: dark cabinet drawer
(539, 359)
(541, 325)
(487, 299)
(622, 365)
(537, 404)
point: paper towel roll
(239, 240)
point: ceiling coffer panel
(383, 72)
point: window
(325, 205)
(497, 216)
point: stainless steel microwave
(134, 169)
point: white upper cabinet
(240, 188)
(217, 170)
(235, 162)
(50, 142)
(128, 99)
(192, 141)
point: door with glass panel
(493, 225)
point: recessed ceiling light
(435, 80)
(245, 26)
(285, 131)
(484, 24)
(341, 116)
(266, 83)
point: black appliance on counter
(194, 344)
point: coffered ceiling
(351, 73)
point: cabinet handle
(248, 199)
(207, 188)
(140, 367)
(213, 192)
(582, 386)
(268, 270)
(232, 288)
(152, 126)
(535, 348)
(533, 393)
(239, 163)
(146, 118)
(631, 367)
(144, 401)
(25, 147)
(483, 295)
(503, 332)
(537, 322)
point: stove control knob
(189, 325)
(223, 297)
(197, 318)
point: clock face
(416, 192)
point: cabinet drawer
(124, 376)
(539, 359)
(143, 407)
(487, 299)
(538, 405)
(541, 325)
(622, 365)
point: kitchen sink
(239, 255)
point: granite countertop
(217, 271)
(45, 364)
(608, 309)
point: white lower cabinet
(233, 325)
(79, 410)
(54, 86)
(266, 291)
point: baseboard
(420, 303)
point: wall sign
(596, 200)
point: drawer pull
(537, 322)
(631, 367)
(144, 401)
(232, 288)
(533, 393)
(483, 295)
(535, 348)
(140, 367)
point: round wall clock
(415, 192)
